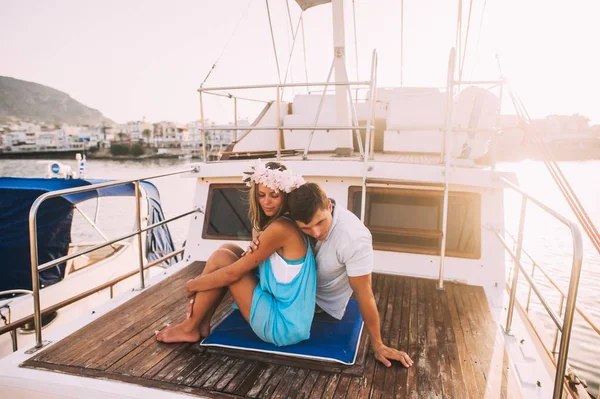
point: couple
(279, 304)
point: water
(546, 240)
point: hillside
(27, 101)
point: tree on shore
(146, 135)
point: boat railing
(567, 311)
(535, 266)
(36, 268)
(349, 85)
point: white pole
(448, 156)
(342, 110)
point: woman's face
(269, 200)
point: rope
(273, 40)
(464, 56)
(228, 42)
(558, 176)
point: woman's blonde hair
(257, 216)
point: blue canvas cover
(54, 220)
(330, 339)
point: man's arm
(361, 285)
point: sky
(146, 59)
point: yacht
(416, 165)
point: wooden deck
(450, 335)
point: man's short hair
(305, 201)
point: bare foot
(205, 329)
(178, 333)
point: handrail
(279, 128)
(36, 268)
(27, 319)
(282, 85)
(567, 322)
(563, 295)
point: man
(344, 255)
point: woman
(279, 305)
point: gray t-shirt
(346, 252)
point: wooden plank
(271, 385)
(433, 353)
(126, 316)
(492, 359)
(385, 313)
(354, 387)
(446, 333)
(190, 373)
(261, 381)
(447, 377)
(331, 386)
(307, 385)
(400, 379)
(254, 378)
(422, 365)
(391, 374)
(293, 379)
(131, 342)
(165, 361)
(290, 361)
(462, 341)
(342, 387)
(319, 386)
(237, 369)
(179, 363)
(201, 374)
(224, 367)
(100, 374)
(246, 373)
(477, 347)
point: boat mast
(342, 109)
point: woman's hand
(190, 292)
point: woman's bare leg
(205, 324)
(189, 329)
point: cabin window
(226, 215)
(408, 220)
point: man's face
(319, 225)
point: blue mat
(330, 339)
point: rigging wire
(401, 43)
(478, 37)
(458, 38)
(304, 50)
(355, 40)
(289, 64)
(464, 55)
(273, 40)
(228, 42)
(558, 176)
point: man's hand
(253, 246)
(384, 354)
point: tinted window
(411, 220)
(227, 213)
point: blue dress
(282, 313)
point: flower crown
(275, 179)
